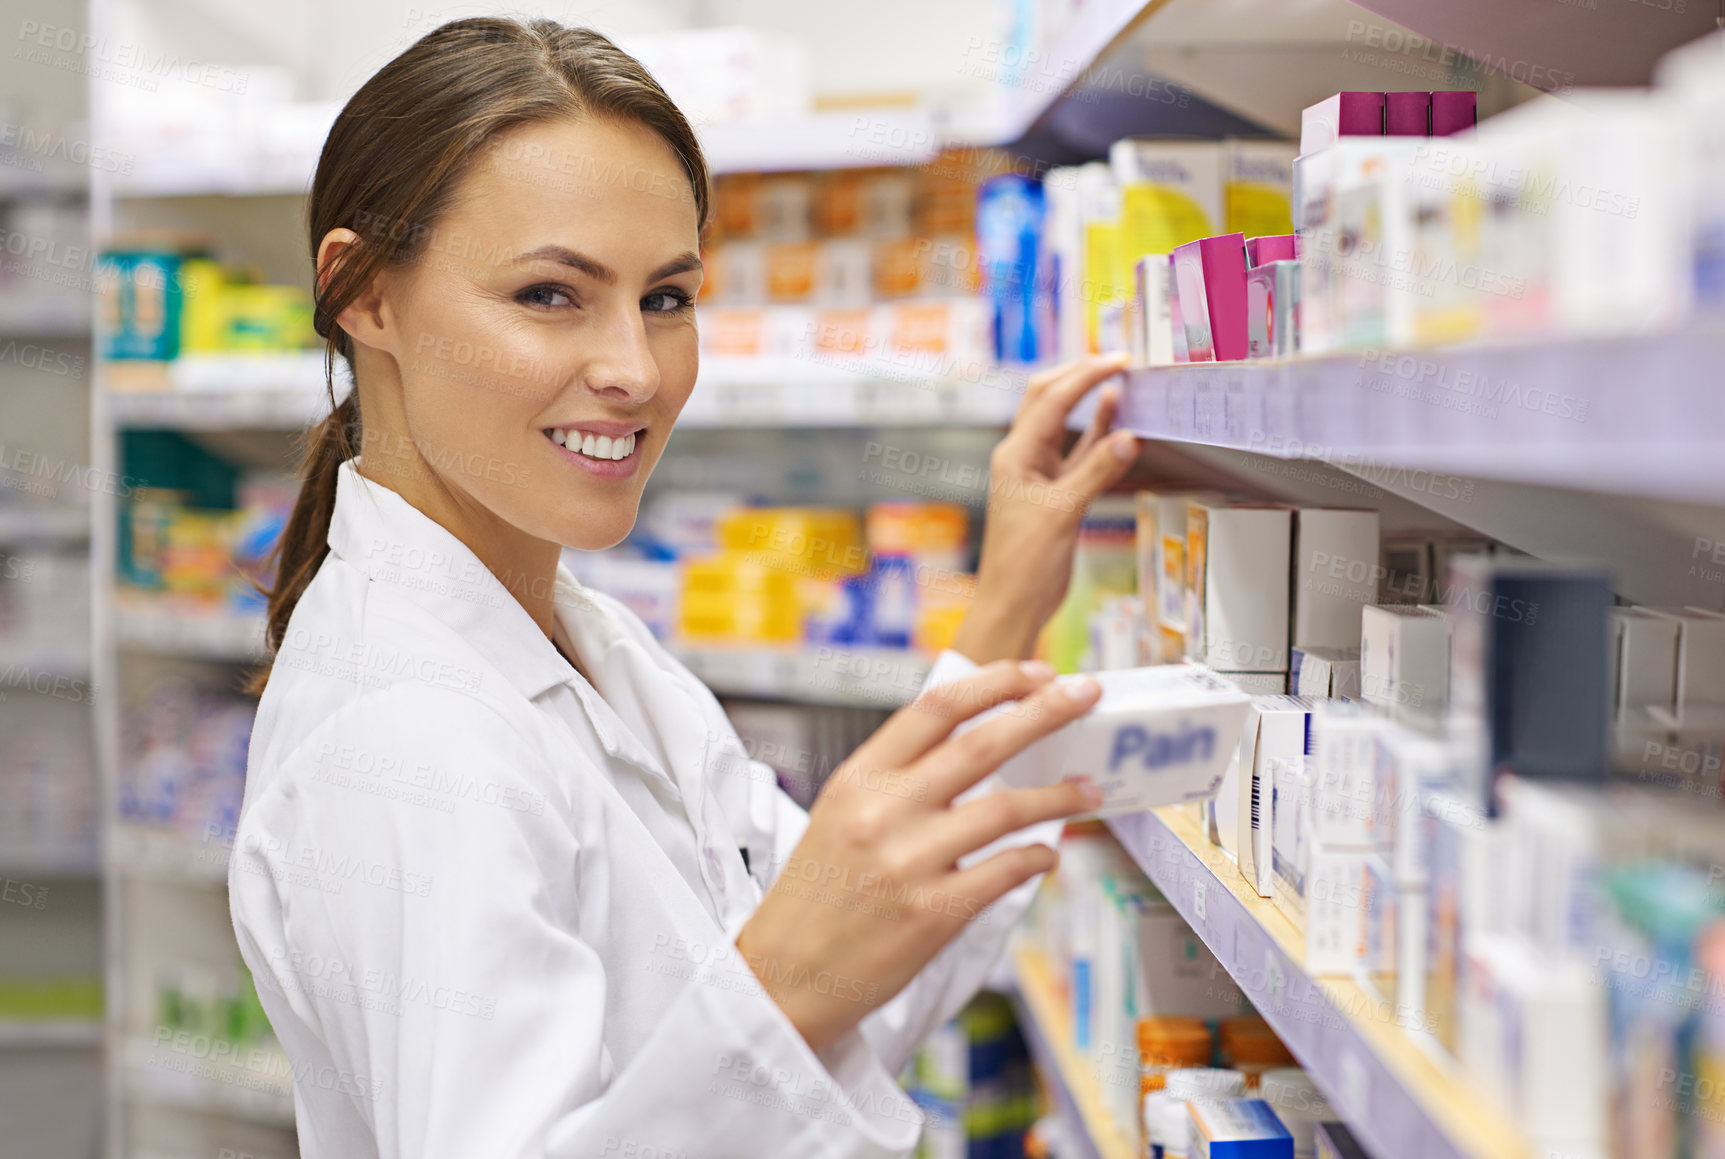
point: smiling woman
(506, 226)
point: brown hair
(391, 166)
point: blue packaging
(1010, 212)
(1238, 1129)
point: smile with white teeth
(594, 446)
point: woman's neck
(525, 565)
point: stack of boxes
(850, 265)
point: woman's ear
(364, 319)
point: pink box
(1343, 115)
(1210, 286)
(1276, 247)
(1407, 114)
(1453, 112)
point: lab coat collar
(378, 532)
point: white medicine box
(1237, 586)
(1336, 571)
(1404, 660)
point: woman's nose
(623, 368)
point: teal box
(140, 304)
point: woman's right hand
(873, 891)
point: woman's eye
(665, 302)
(546, 295)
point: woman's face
(546, 338)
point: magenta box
(1342, 115)
(1453, 112)
(1275, 247)
(1407, 114)
(1210, 284)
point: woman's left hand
(1036, 500)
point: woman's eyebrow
(681, 264)
(599, 271)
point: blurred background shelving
(124, 732)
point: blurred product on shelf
(47, 243)
(1591, 213)
(1104, 566)
(1210, 288)
(237, 129)
(193, 528)
(1298, 1103)
(1146, 999)
(972, 1079)
(44, 603)
(48, 791)
(184, 760)
(162, 296)
(193, 1003)
(45, 999)
(921, 337)
(849, 238)
(711, 570)
(1467, 841)
(1010, 216)
(1237, 1129)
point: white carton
(1290, 836)
(1325, 673)
(1237, 586)
(1158, 736)
(1258, 683)
(1410, 766)
(1174, 972)
(1335, 909)
(1404, 661)
(1700, 656)
(1151, 340)
(1644, 671)
(1277, 728)
(1347, 805)
(1335, 575)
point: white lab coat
(490, 908)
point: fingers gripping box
(1158, 736)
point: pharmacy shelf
(837, 675)
(51, 320)
(146, 623)
(28, 1033)
(818, 140)
(50, 861)
(259, 1089)
(147, 852)
(45, 659)
(1398, 1094)
(1638, 415)
(261, 391)
(1048, 1032)
(738, 391)
(23, 523)
(823, 140)
(288, 393)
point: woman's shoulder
(357, 667)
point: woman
(506, 880)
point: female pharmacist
(505, 878)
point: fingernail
(1087, 789)
(1081, 689)
(1036, 669)
(1125, 445)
